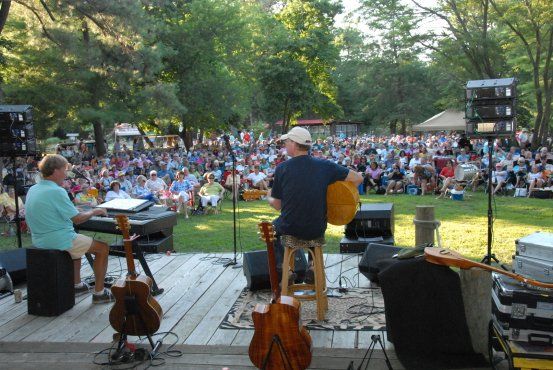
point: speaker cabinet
(372, 220)
(375, 253)
(50, 287)
(256, 269)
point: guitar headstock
(123, 224)
(266, 232)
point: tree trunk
(285, 118)
(4, 10)
(186, 137)
(201, 136)
(403, 128)
(99, 137)
(393, 127)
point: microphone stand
(16, 219)
(233, 261)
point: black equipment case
(520, 313)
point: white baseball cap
(298, 135)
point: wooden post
(424, 225)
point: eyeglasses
(153, 175)
(211, 177)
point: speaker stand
(374, 340)
(132, 309)
(284, 355)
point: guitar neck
(129, 257)
(449, 258)
(124, 226)
(273, 275)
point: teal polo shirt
(48, 212)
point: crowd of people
(389, 165)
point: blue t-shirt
(48, 212)
(301, 184)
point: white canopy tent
(448, 120)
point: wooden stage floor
(199, 292)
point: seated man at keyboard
(51, 215)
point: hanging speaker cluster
(17, 133)
(490, 107)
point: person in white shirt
(258, 179)
(115, 192)
(155, 184)
(499, 177)
(535, 179)
(415, 161)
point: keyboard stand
(137, 254)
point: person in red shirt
(447, 174)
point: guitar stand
(374, 339)
(132, 310)
(285, 359)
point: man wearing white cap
(299, 190)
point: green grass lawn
(464, 225)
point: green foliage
(297, 60)
(210, 64)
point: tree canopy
(199, 66)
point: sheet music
(124, 205)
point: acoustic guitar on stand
(135, 311)
(279, 342)
(442, 256)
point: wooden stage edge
(47, 355)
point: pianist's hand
(100, 212)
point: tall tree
(470, 38)
(295, 69)
(530, 23)
(398, 92)
(211, 61)
(91, 59)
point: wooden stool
(291, 244)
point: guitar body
(138, 289)
(282, 319)
(135, 311)
(342, 198)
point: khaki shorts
(81, 245)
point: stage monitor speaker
(17, 133)
(50, 287)
(372, 220)
(375, 253)
(14, 261)
(256, 269)
(359, 245)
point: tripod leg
(370, 349)
(385, 354)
